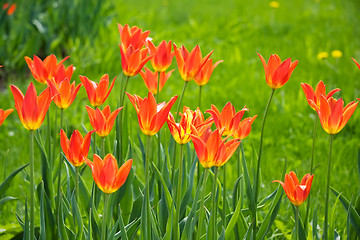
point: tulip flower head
(106, 174)
(10, 8)
(332, 113)
(151, 79)
(97, 93)
(189, 64)
(151, 115)
(44, 70)
(205, 72)
(133, 36)
(162, 55)
(199, 121)
(228, 118)
(31, 108)
(277, 73)
(102, 120)
(211, 149)
(75, 148)
(180, 131)
(314, 96)
(296, 192)
(357, 64)
(4, 115)
(243, 128)
(133, 60)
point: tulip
(243, 129)
(205, 72)
(277, 73)
(4, 115)
(44, 70)
(314, 96)
(332, 114)
(151, 116)
(162, 55)
(31, 108)
(151, 79)
(181, 131)
(133, 36)
(133, 60)
(189, 64)
(200, 123)
(357, 64)
(10, 8)
(106, 174)
(102, 120)
(97, 93)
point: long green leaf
(6, 199)
(77, 216)
(42, 215)
(233, 219)
(6, 184)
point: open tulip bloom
(133, 60)
(102, 120)
(151, 115)
(151, 79)
(132, 36)
(203, 76)
(277, 73)
(314, 96)
(162, 55)
(4, 115)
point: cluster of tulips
(214, 146)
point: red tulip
(357, 64)
(102, 121)
(106, 174)
(296, 192)
(151, 79)
(162, 55)
(205, 72)
(4, 115)
(315, 96)
(133, 36)
(277, 73)
(133, 60)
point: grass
(236, 31)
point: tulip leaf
(119, 223)
(42, 216)
(354, 215)
(6, 184)
(88, 236)
(249, 189)
(233, 219)
(189, 190)
(169, 200)
(6, 199)
(77, 215)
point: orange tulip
(133, 60)
(133, 36)
(102, 121)
(151, 116)
(189, 64)
(332, 114)
(277, 73)
(97, 93)
(106, 174)
(228, 119)
(296, 192)
(211, 149)
(10, 10)
(151, 79)
(4, 115)
(162, 55)
(243, 128)
(76, 148)
(357, 64)
(200, 123)
(44, 70)
(205, 72)
(315, 96)
(180, 131)
(31, 108)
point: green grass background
(236, 31)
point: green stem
(106, 201)
(119, 121)
(146, 224)
(77, 179)
(201, 210)
(198, 168)
(32, 186)
(178, 194)
(328, 189)
(180, 101)
(159, 139)
(59, 173)
(103, 147)
(94, 144)
(256, 188)
(224, 197)
(200, 87)
(296, 222)
(311, 171)
(213, 205)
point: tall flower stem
(145, 217)
(256, 184)
(49, 161)
(77, 179)
(224, 197)
(103, 231)
(201, 210)
(103, 147)
(213, 205)
(159, 140)
(199, 169)
(59, 173)
(32, 185)
(311, 171)
(178, 193)
(296, 222)
(200, 88)
(328, 189)
(119, 121)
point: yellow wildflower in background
(322, 55)
(274, 4)
(336, 54)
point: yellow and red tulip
(75, 148)
(181, 131)
(106, 174)
(162, 55)
(31, 108)
(133, 36)
(277, 73)
(151, 79)
(314, 96)
(296, 192)
(97, 93)
(4, 115)
(205, 72)
(189, 64)
(102, 120)
(332, 113)
(211, 149)
(44, 70)
(151, 115)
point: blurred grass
(236, 31)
